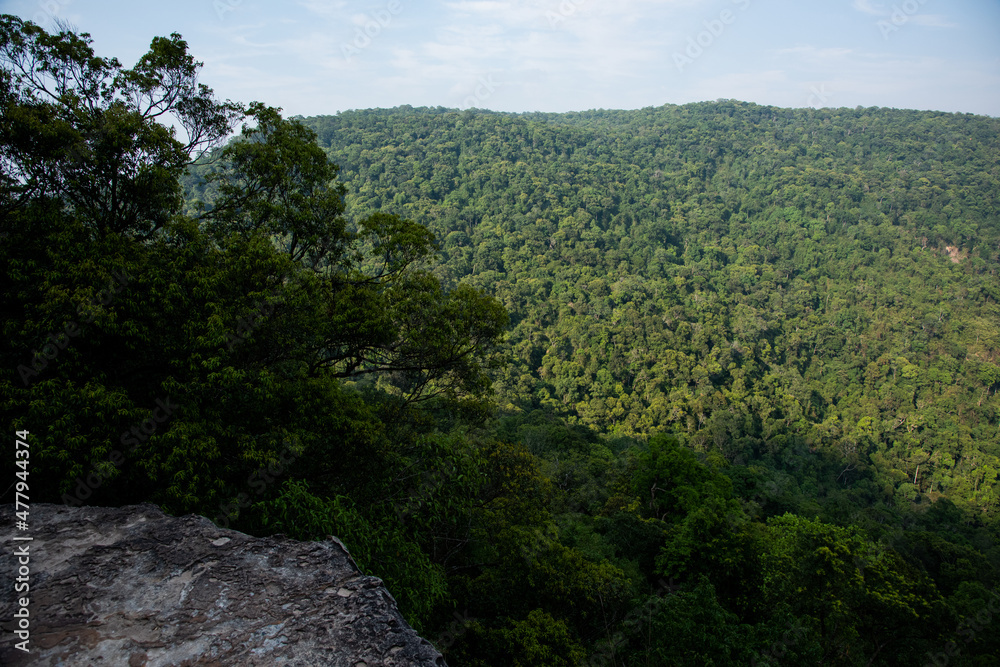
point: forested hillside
(700, 385)
(809, 288)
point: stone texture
(132, 586)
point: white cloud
(813, 53)
(869, 7)
(933, 21)
(565, 54)
(556, 36)
(481, 7)
(879, 9)
(325, 8)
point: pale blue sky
(313, 57)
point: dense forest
(711, 384)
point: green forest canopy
(710, 384)
(764, 282)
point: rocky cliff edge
(133, 586)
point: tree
(856, 598)
(264, 298)
(383, 312)
(82, 129)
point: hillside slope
(812, 288)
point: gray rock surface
(132, 586)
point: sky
(315, 57)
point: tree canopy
(711, 384)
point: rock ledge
(133, 586)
